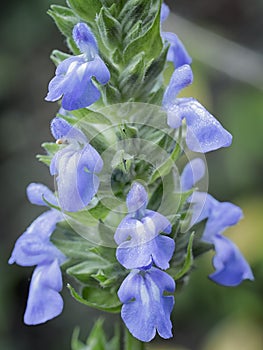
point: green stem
(132, 343)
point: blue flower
(231, 267)
(146, 309)
(204, 133)
(34, 248)
(165, 11)
(74, 75)
(177, 53)
(75, 166)
(138, 234)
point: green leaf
(104, 299)
(51, 148)
(96, 339)
(109, 30)
(132, 77)
(58, 56)
(149, 42)
(178, 273)
(166, 166)
(154, 77)
(100, 211)
(44, 159)
(86, 9)
(132, 343)
(92, 117)
(71, 244)
(64, 18)
(135, 11)
(84, 270)
(76, 344)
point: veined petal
(59, 83)
(177, 53)
(125, 229)
(193, 172)
(161, 223)
(79, 93)
(44, 301)
(231, 267)
(204, 132)
(137, 198)
(33, 246)
(222, 215)
(85, 39)
(36, 192)
(132, 254)
(61, 129)
(99, 70)
(90, 160)
(181, 78)
(76, 186)
(202, 206)
(79, 90)
(145, 308)
(73, 81)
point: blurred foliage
(206, 316)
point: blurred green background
(206, 316)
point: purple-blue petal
(44, 301)
(231, 267)
(76, 185)
(90, 160)
(56, 86)
(165, 11)
(158, 250)
(33, 246)
(204, 132)
(125, 229)
(61, 129)
(177, 53)
(222, 215)
(81, 94)
(161, 223)
(137, 198)
(181, 78)
(133, 256)
(193, 172)
(36, 192)
(202, 205)
(84, 38)
(73, 81)
(146, 310)
(99, 70)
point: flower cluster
(34, 248)
(231, 267)
(140, 246)
(140, 279)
